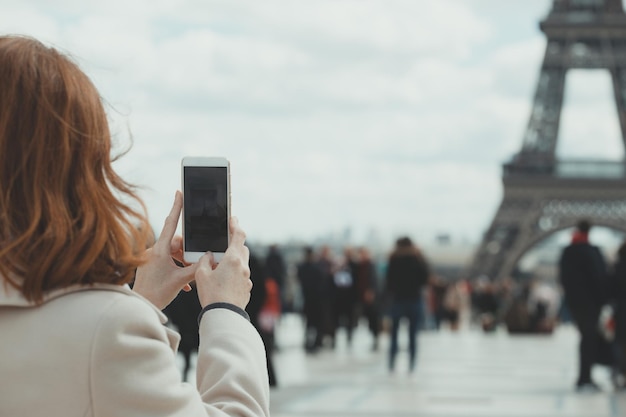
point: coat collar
(11, 297)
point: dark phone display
(205, 209)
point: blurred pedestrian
(183, 314)
(407, 274)
(486, 304)
(453, 304)
(327, 265)
(277, 269)
(617, 287)
(344, 295)
(517, 316)
(582, 273)
(437, 289)
(543, 305)
(368, 300)
(258, 301)
(311, 279)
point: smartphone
(206, 206)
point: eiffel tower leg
(501, 237)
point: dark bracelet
(227, 306)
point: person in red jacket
(583, 275)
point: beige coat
(103, 351)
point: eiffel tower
(543, 195)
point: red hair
(62, 220)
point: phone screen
(205, 211)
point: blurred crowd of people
(335, 290)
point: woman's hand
(160, 279)
(229, 281)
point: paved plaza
(467, 373)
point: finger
(238, 236)
(171, 221)
(246, 258)
(234, 222)
(176, 250)
(212, 261)
(176, 244)
(206, 261)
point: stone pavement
(466, 373)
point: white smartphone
(206, 206)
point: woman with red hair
(77, 340)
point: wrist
(227, 306)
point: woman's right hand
(229, 281)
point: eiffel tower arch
(543, 195)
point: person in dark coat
(277, 269)
(345, 296)
(327, 264)
(258, 297)
(487, 305)
(438, 288)
(183, 312)
(312, 285)
(583, 275)
(407, 273)
(617, 287)
(366, 281)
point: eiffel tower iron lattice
(543, 195)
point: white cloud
(388, 114)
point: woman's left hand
(160, 279)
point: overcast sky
(392, 116)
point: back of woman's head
(61, 222)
